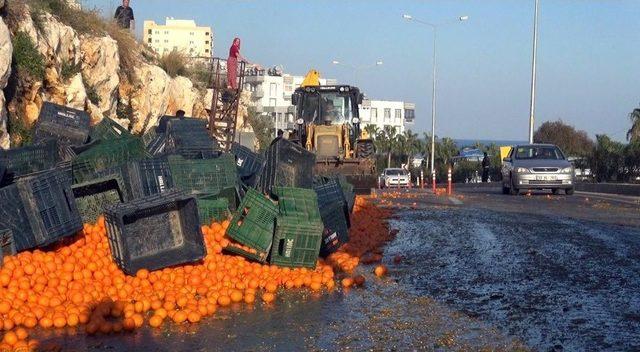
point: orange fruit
(249, 298)
(194, 317)
(347, 282)
(224, 301)
(155, 321)
(268, 297)
(22, 334)
(10, 338)
(180, 317)
(380, 270)
(236, 296)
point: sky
(588, 55)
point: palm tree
(634, 132)
(410, 144)
(386, 140)
(372, 130)
(446, 150)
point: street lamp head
(335, 62)
(464, 18)
(407, 17)
(379, 62)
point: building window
(398, 114)
(157, 32)
(157, 40)
(374, 114)
(409, 115)
(290, 117)
(166, 32)
(150, 40)
(191, 42)
(206, 51)
(272, 102)
(387, 114)
(190, 33)
(207, 34)
(150, 31)
(166, 40)
(273, 89)
(206, 42)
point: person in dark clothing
(124, 16)
(486, 163)
(180, 114)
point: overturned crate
(108, 129)
(287, 164)
(7, 247)
(203, 176)
(296, 242)
(39, 209)
(106, 155)
(67, 125)
(94, 197)
(148, 176)
(252, 225)
(336, 230)
(30, 159)
(155, 232)
(330, 191)
(249, 164)
(299, 202)
(212, 208)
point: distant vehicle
(537, 166)
(395, 177)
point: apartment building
(181, 35)
(383, 113)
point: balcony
(258, 93)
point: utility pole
(532, 106)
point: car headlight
(300, 121)
(567, 170)
(522, 170)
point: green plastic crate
(203, 176)
(297, 202)
(296, 242)
(106, 155)
(212, 208)
(253, 223)
(108, 129)
(93, 197)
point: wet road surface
(562, 273)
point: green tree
(372, 130)
(446, 149)
(607, 159)
(262, 126)
(386, 141)
(634, 132)
(571, 141)
(408, 145)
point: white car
(395, 177)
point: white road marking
(455, 200)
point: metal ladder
(223, 115)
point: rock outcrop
(6, 50)
(85, 72)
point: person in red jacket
(232, 64)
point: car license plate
(546, 178)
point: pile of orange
(78, 284)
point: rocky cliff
(49, 56)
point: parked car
(537, 166)
(395, 177)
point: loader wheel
(365, 149)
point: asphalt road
(558, 272)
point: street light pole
(356, 69)
(433, 91)
(532, 106)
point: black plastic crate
(155, 232)
(287, 164)
(192, 145)
(108, 129)
(93, 197)
(330, 192)
(39, 209)
(148, 176)
(336, 229)
(30, 159)
(157, 145)
(7, 247)
(249, 164)
(67, 125)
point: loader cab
(327, 119)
